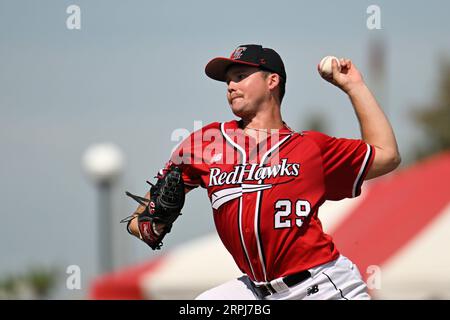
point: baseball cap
(249, 55)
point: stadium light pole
(103, 164)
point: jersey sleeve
(345, 164)
(185, 156)
(189, 155)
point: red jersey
(265, 197)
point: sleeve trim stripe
(363, 168)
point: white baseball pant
(337, 280)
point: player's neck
(269, 118)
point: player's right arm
(375, 127)
(376, 131)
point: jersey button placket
(247, 232)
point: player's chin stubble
(240, 107)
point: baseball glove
(164, 206)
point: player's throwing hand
(347, 78)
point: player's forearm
(133, 224)
(375, 127)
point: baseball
(325, 65)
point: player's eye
(237, 77)
(241, 76)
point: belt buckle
(264, 290)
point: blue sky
(134, 73)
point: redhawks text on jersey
(265, 197)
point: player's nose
(231, 86)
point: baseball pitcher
(266, 182)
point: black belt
(266, 289)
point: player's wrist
(355, 88)
(134, 228)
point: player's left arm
(375, 127)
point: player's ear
(273, 80)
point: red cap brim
(217, 67)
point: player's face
(247, 89)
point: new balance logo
(312, 290)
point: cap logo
(237, 54)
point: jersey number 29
(284, 209)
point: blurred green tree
(435, 117)
(41, 280)
(35, 283)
